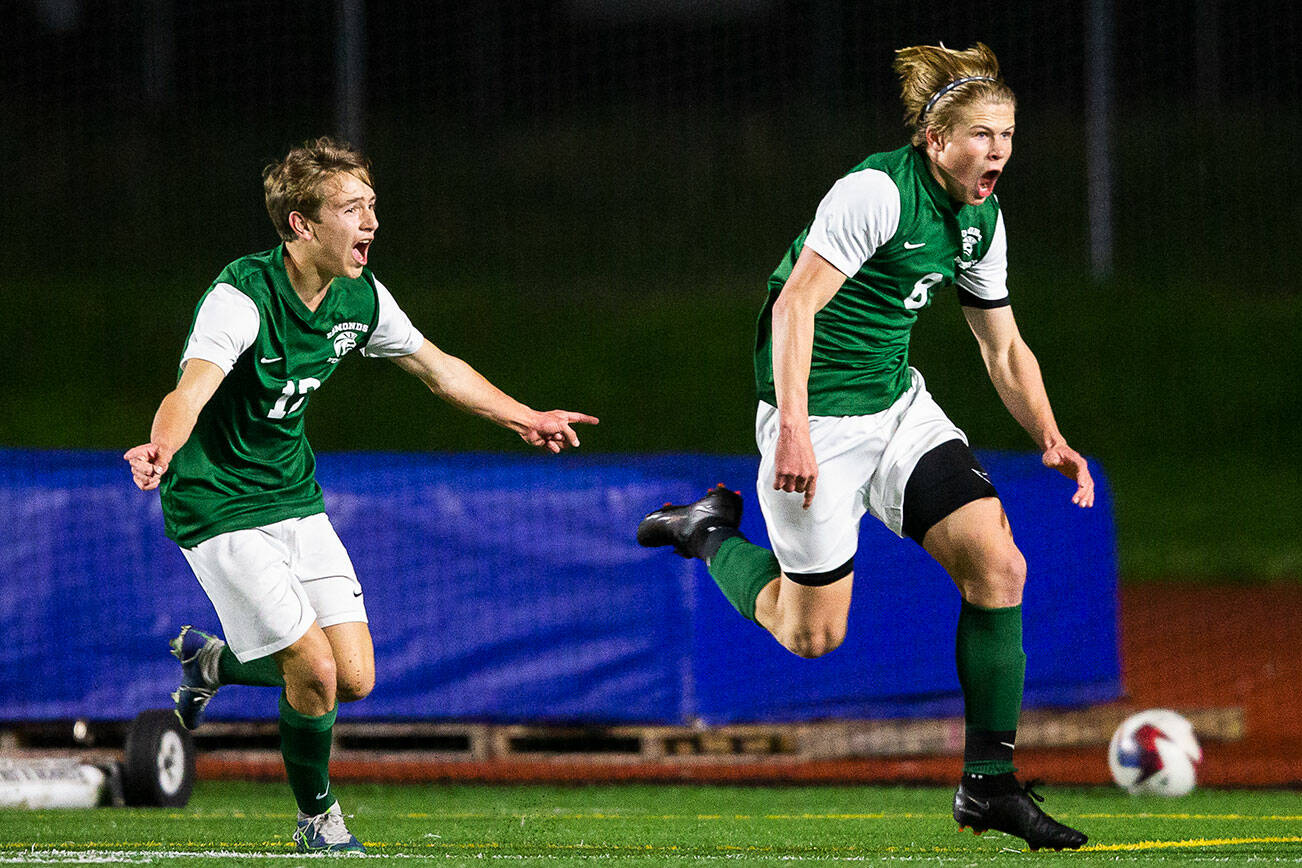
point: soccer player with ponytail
(845, 426)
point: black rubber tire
(158, 761)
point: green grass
(240, 823)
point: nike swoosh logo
(1007, 745)
(357, 593)
(326, 793)
(268, 360)
(985, 806)
(986, 477)
(909, 245)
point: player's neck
(309, 281)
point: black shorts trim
(944, 479)
(818, 580)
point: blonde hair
(937, 84)
(297, 183)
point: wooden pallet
(824, 740)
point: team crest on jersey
(344, 338)
(971, 238)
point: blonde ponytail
(937, 84)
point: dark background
(584, 198)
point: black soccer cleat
(685, 527)
(1017, 814)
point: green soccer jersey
(247, 462)
(894, 231)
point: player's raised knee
(813, 641)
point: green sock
(741, 570)
(991, 669)
(262, 672)
(305, 745)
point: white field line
(267, 850)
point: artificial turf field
(244, 823)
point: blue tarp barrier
(508, 589)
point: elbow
(789, 309)
(1013, 364)
(996, 359)
(1000, 354)
(999, 369)
(781, 307)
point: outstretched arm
(1016, 376)
(173, 422)
(465, 388)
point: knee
(355, 686)
(1000, 580)
(813, 640)
(317, 675)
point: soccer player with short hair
(845, 426)
(228, 453)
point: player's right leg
(200, 654)
(235, 568)
(808, 619)
(800, 591)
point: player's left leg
(354, 659)
(974, 544)
(932, 489)
(330, 582)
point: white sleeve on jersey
(987, 279)
(394, 334)
(225, 325)
(859, 214)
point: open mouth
(986, 183)
(361, 250)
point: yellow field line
(1291, 818)
(1192, 842)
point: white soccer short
(864, 463)
(268, 584)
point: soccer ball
(1155, 752)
